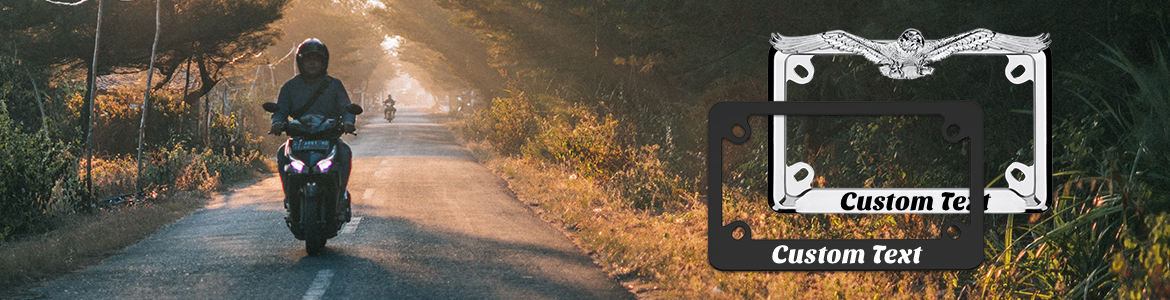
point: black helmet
(313, 46)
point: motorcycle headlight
(324, 164)
(296, 165)
(327, 162)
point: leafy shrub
(646, 182)
(189, 169)
(507, 124)
(34, 168)
(592, 147)
(1106, 235)
(112, 176)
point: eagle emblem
(907, 57)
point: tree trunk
(90, 109)
(206, 84)
(186, 86)
(146, 99)
(83, 114)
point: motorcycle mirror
(354, 109)
(270, 107)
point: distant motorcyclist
(388, 107)
(314, 92)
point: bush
(205, 171)
(592, 147)
(647, 183)
(35, 169)
(112, 176)
(507, 125)
(1106, 236)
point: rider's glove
(349, 128)
(276, 128)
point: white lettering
(817, 256)
(877, 252)
(776, 254)
(834, 256)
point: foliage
(17, 80)
(447, 58)
(510, 123)
(352, 35)
(582, 140)
(214, 32)
(36, 178)
(45, 46)
(194, 170)
(649, 70)
(210, 34)
(1106, 234)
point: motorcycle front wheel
(315, 245)
(314, 239)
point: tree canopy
(213, 34)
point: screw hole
(1018, 71)
(800, 71)
(738, 233)
(800, 175)
(953, 231)
(1019, 175)
(738, 131)
(953, 130)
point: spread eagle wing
(980, 39)
(835, 39)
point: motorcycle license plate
(309, 145)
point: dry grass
(85, 239)
(663, 255)
(82, 239)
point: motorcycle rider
(388, 105)
(313, 62)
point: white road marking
(351, 226)
(317, 288)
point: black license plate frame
(728, 253)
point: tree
(354, 40)
(453, 56)
(212, 34)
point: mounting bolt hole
(953, 231)
(738, 233)
(1018, 71)
(800, 175)
(1019, 175)
(738, 131)
(953, 130)
(800, 71)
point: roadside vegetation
(203, 132)
(595, 113)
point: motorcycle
(389, 111)
(317, 206)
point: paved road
(434, 224)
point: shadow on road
(398, 258)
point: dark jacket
(296, 92)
